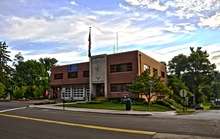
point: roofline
(70, 64)
(111, 55)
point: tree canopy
(196, 72)
(148, 85)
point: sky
(160, 28)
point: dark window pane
(155, 72)
(58, 76)
(162, 74)
(85, 73)
(121, 67)
(72, 74)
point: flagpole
(90, 65)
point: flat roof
(108, 55)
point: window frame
(122, 67)
(58, 76)
(75, 75)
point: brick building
(109, 76)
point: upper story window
(72, 74)
(58, 76)
(155, 72)
(85, 73)
(146, 67)
(162, 74)
(121, 67)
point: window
(162, 74)
(155, 72)
(121, 67)
(58, 76)
(78, 92)
(146, 67)
(85, 73)
(72, 74)
(119, 87)
(66, 93)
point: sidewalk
(101, 111)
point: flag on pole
(89, 46)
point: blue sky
(59, 28)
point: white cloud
(182, 8)
(124, 7)
(73, 2)
(151, 4)
(62, 57)
(213, 21)
(211, 49)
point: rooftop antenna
(114, 47)
(117, 42)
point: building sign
(98, 69)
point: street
(37, 123)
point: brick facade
(122, 69)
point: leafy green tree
(18, 59)
(38, 92)
(199, 74)
(29, 73)
(5, 69)
(148, 85)
(196, 71)
(33, 75)
(178, 65)
(19, 92)
(47, 63)
(2, 90)
(176, 85)
(216, 85)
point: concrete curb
(101, 111)
(175, 136)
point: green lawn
(119, 106)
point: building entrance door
(100, 90)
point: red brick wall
(65, 80)
(122, 77)
(143, 59)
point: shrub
(29, 91)
(19, 92)
(38, 92)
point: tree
(32, 75)
(2, 90)
(18, 59)
(48, 62)
(29, 73)
(199, 74)
(196, 71)
(178, 65)
(148, 85)
(5, 69)
(176, 84)
(216, 85)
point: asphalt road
(26, 128)
(16, 128)
(13, 104)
